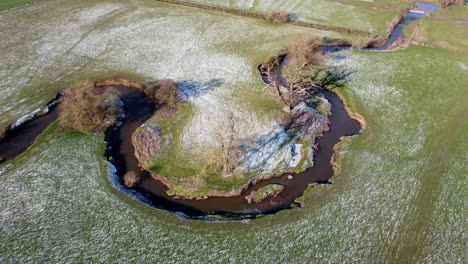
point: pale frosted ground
(354, 14)
(401, 196)
(114, 37)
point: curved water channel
(397, 33)
(120, 153)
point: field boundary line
(342, 30)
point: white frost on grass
(463, 66)
(296, 155)
(35, 52)
(210, 78)
(41, 110)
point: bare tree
(305, 50)
(230, 149)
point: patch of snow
(296, 155)
(463, 66)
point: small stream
(20, 138)
(397, 32)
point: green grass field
(8, 4)
(370, 16)
(447, 28)
(400, 197)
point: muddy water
(397, 31)
(120, 153)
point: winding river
(120, 154)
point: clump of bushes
(305, 50)
(277, 16)
(164, 92)
(83, 108)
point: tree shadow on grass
(330, 79)
(193, 89)
(257, 151)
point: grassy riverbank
(446, 28)
(399, 197)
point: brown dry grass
(277, 16)
(164, 92)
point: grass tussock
(84, 109)
(446, 3)
(277, 16)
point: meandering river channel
(120, 154)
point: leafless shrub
(277, 16)
(164, 92)
(225, 156)
(305, 50)
(230, 152)
(167, 93)
(131, 179)
(83, 109)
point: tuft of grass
(276, 16)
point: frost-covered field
(370, 16)
(152, 41)
(401, 196)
